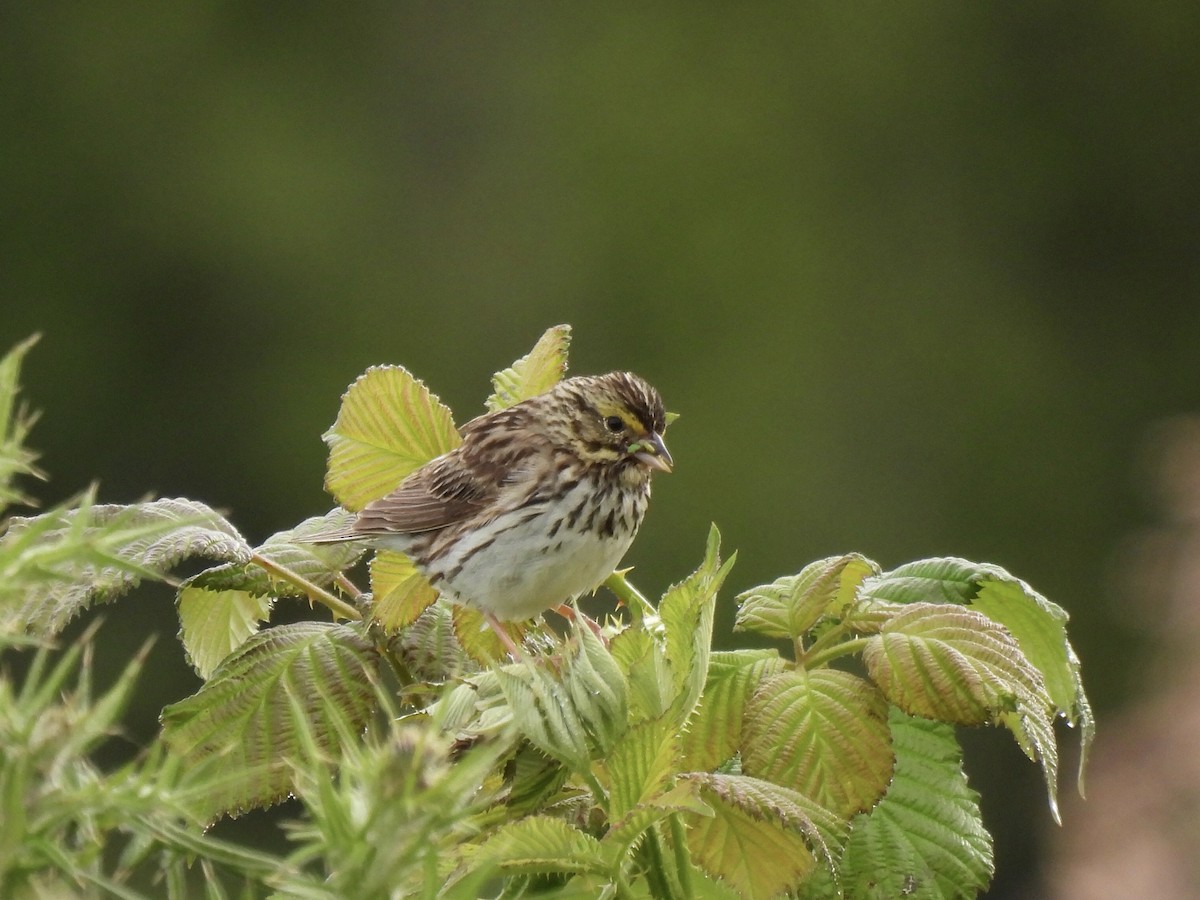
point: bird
(537, 505)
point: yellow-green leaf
(212, 624)
(714, 733)
(790, 606)
(822, 733)
(388, 426)
(535, 372)
(758, 840)
(401, 592)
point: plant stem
(819, 656)
(339, 607)
(635, 601)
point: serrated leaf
(822, 733)
(535, 372)
(69, 558)
(388, 426)
(925, 839)
(957, 665)
(639, 766)
(262, 703)
(319, 564)
(684, 797)
(401, 593)
(686, 611)
(949, 663)
(935, 580)
(543, 712)
(15, 458)
(759, 839)
(714, 733)
(644, 663)
(597, 690)
(429, 647)
(790, 606)
(1040, 629)
(212, 624)
(541, 844)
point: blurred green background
(918, 276)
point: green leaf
(319, 564)
(684, 797)
(686, 611)
(15, 458)
(949, 663)
(252, 717)
(57, 564)
(215, 623)
(925, 839)
(401, 593)
(790, 606)
(389, 425)
(477, 638)
(541, 844)
(535, 372)
(936, 580)
(957, 665)
(543, 712)
(639, 766)
(822, 733)
(644, 664)
(714, 733)
(1040, 628)
(759, 839)
(597, 690)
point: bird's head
(616, 418)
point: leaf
(644, 664)
(388, 426)
(15, 458)
(1040, 629)
(957, 665)
(790, 606)
(477, 638)
(58, 563)
(543, 712)
(319, 564)
(822, 733)
(714, 733)
(535, 372)
(759, 839)
(639, 766)
(925, 838)
(221, 607)
(684, 797)
(541, 844)
(597, 690)
(252, 715)
(936, 580)
(215, 623)
(686, 611)
(400, 592)
(949, 663)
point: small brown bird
(537, 505)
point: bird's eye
(614, 424)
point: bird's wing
(441, 493)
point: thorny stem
(635, 601)
(339, 607)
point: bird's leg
(572, 614)
(501, 632)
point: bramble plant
(428, 764)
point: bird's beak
(652, 452)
